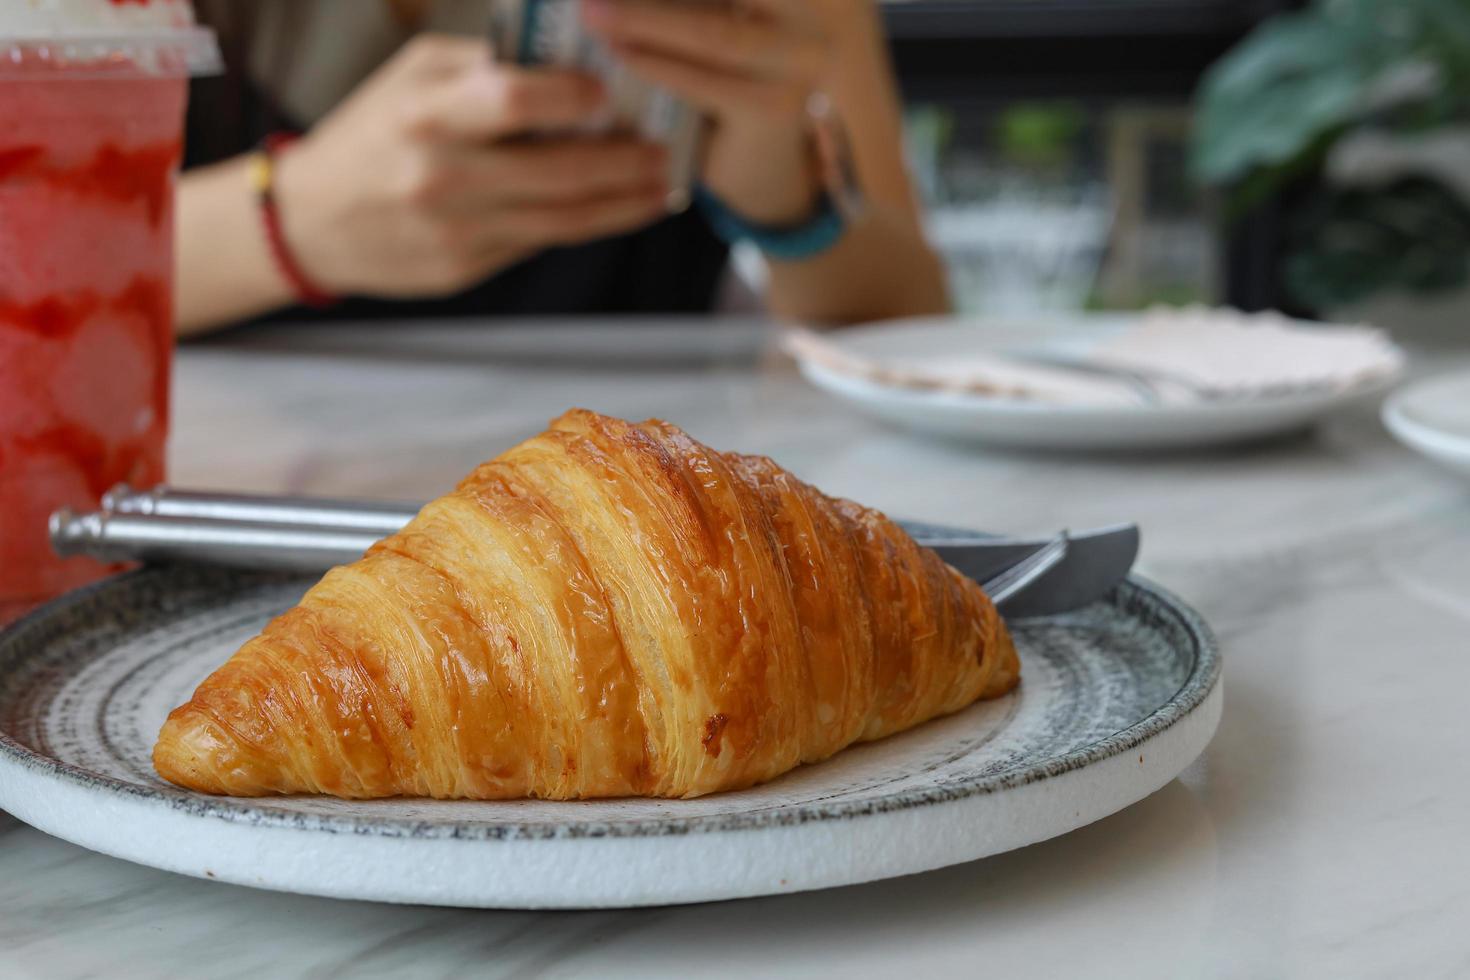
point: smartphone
(550, 32)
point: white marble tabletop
(1323, 834)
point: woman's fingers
(547, 172)
(432, 56)
(470, 245)
(715, 36)
(487, 102)
(719, 92)
(574, 222)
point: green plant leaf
(1300, 75)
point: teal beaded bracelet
(783, 242)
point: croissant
(607, 609)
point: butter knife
(313, 534)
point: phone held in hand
(550, 32)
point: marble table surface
(1323, 834)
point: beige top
(307, 55)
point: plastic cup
(91, 133)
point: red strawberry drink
(92, 96)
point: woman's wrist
(816, 234)
(289, 218)
(785, 190)
(225, 270)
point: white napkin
(1189, 354)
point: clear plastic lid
(104, 39)
(121, 54)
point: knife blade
(1096, 562)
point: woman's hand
(418, 183)
(751, 65)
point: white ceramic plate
(1433, 417)
(1115, 701)
(1037, 425)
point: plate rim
(1197, 686)
(857, 388)
(1419, 435)
(1077, 324)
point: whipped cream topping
(28, 19)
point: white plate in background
(1040, 425)
(1433, 417)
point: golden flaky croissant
(607, 609)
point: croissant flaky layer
(605, 610)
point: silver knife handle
(136, 537)
(380, 517)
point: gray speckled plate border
(1141, 670)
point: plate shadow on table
(1007, 904)
(1014, 906)
(1258, 448)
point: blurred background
(1310, 157)
(1112, 154)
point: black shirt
(673, 266)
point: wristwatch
(787, 243)
(842, 200)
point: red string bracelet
(263, 179)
